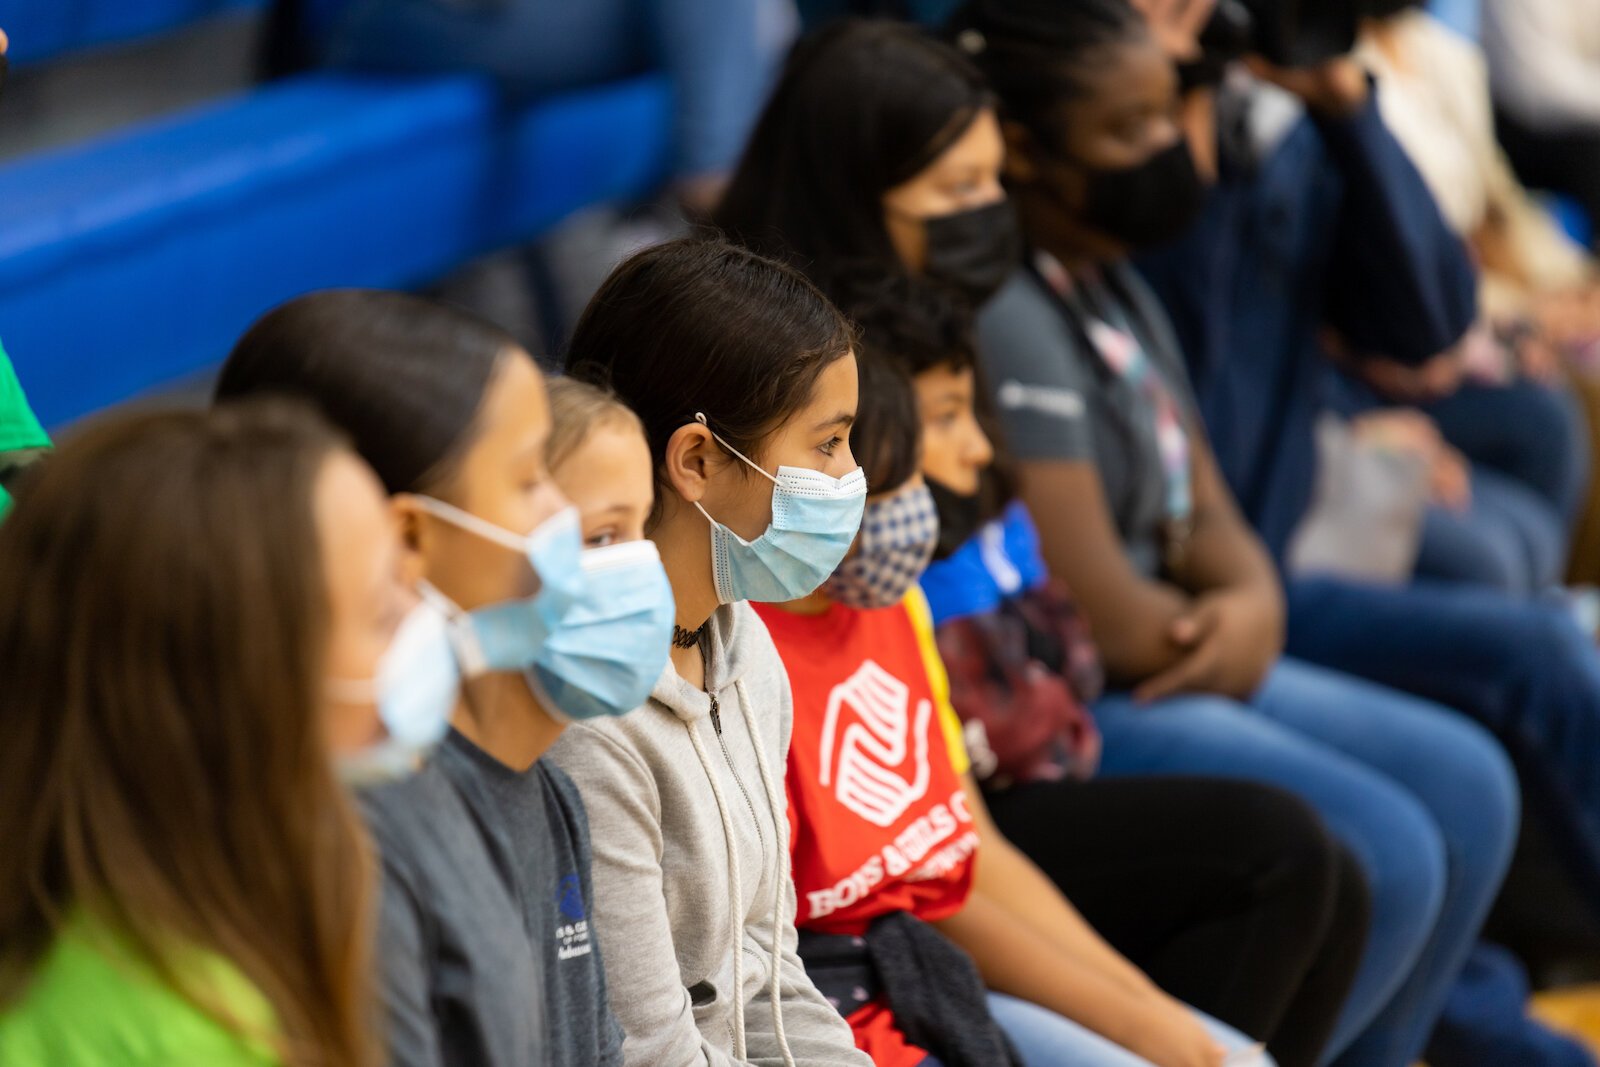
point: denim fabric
(1425, 800)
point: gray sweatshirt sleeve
(412, 1036)
(642, 974)
(611, 1038)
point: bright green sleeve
(91, 1005)
(19, 428)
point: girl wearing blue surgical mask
(486, 951)
(601, 461)
(744, 378)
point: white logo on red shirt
(865, 742)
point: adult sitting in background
(1319, 222)
(1544, 65)
(1539, 301)
(718, 54)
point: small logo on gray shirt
(1045, 399)
(573, 935)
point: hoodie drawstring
(735, 888)
(780, 877)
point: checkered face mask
(898, 535)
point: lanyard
(1120, 350)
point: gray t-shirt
(484, 943)
(1058, 400)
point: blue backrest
(45, 29)
(137, 258)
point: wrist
(1343, 89)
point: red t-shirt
(878, 816)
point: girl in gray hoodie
(745, 379)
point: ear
(692, 457)
(416, 537)
(1020, 149)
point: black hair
(862, 107)
(886, 438)
(404, 377)
(1038, 54)
(699, 326)
(919, 322)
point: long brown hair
(163, 772)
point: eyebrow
(844, 418)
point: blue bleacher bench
(42, 30)
(135, 259)
(138, 258)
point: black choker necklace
(682, 638)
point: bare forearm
(1130, 615)
(1224, 553)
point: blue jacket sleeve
(1400, 284)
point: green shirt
(91, 1004)
(19, 429)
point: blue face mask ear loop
(464, 643)
(700, 417)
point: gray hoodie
(692, 895)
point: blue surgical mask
(416, 689)
(607, 653)
(510, 634)
(814, 520)
(898, 535)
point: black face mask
(1382, 9)
(959, 517)
(975, 251)
(1148, 204)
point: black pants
(1231, 896)
(1563, 161)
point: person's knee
(1471, 548)
(1482, 812)
(1290, 852)
(1404, 858)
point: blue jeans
(1426, 802)
(1528, 432)
(1511, 539)
(1522, 669)
(720, 55)
(1046, 1039)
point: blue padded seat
(138, 258)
